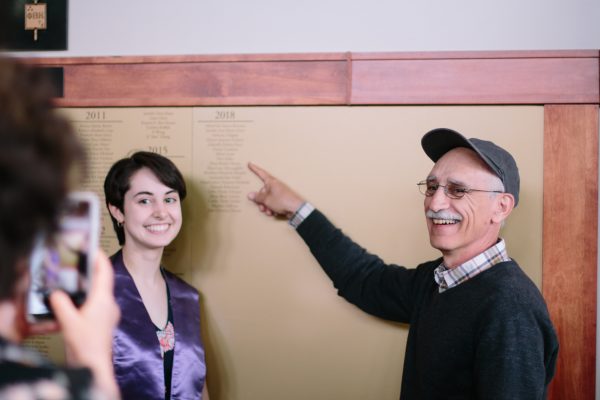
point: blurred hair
(38, 152)
(117, 181)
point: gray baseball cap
(438, 142)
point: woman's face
(151, 212)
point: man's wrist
(301, 214)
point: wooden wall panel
(570, 243)
(205, 83)
(475, 81)
(559, 77)
(568, 79)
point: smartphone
(64, 260)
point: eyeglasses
(452, 190)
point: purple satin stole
(136, 352)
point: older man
(479, 327)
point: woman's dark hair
(38, 153)
(117, 181)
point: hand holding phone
(88, 331)
(64, 261)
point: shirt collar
(448, 278)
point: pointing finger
(261, 173)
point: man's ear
(505, 202)
(116, 213)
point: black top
(488, 338)
(168, 355)
(37, 378)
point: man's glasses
(452, 190)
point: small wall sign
(33, 25)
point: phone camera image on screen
(63, 261)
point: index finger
(261, 173)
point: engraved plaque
(35, 16)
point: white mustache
(442, 215)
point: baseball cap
(438, 142)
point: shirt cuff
(301, 213)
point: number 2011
(95, 115)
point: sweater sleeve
(363, 279)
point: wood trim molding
(559, 77)
(476, 81)
(205, 83)
(570, 243)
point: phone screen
(64, 260)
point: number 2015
(225, 115)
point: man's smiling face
(462, 228)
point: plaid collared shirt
(301, 213)
(448, 278)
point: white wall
(153, 27)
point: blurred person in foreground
(479, 327)
(39, 161)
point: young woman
(157, 350)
